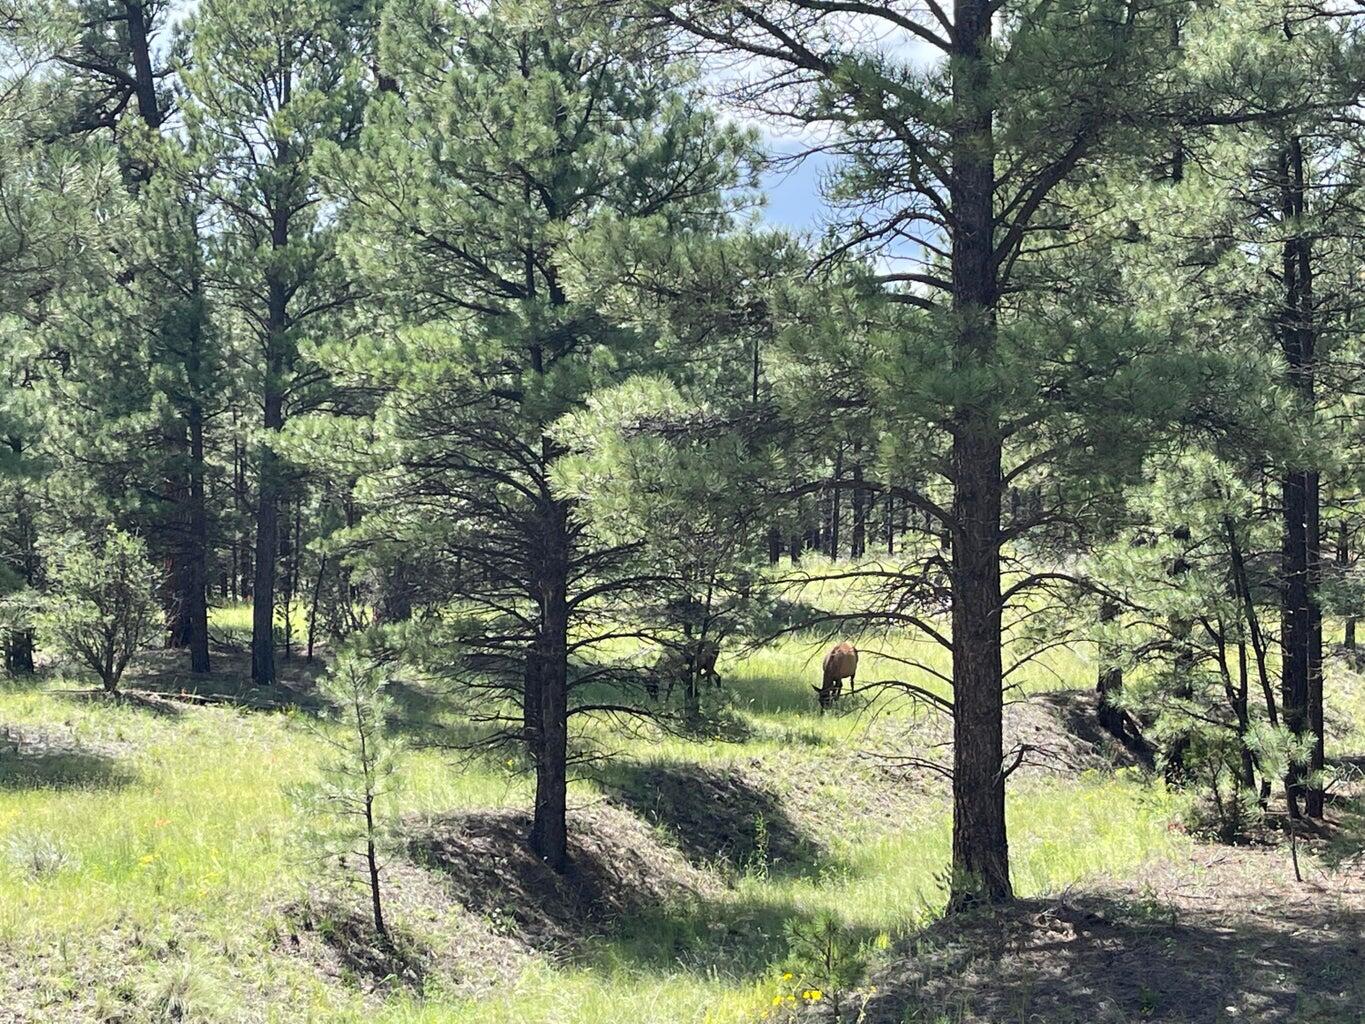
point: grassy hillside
(152, 865)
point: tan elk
(693, 661)
(840, 663)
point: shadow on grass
(167, 672)
(421, 714)
(1102, 960)
(152, 703)
(24, 767)
(1343, 832)
(774, 695)
(616, 872)
(715, 815)
(625, 901)
(740, 938)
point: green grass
(160, 865)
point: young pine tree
(358, 775)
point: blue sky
(793, 190)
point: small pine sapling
(359, 774)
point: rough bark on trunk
(980, 870)
(144, 81)
(549, 829)
(270, 484)
(1301, 671)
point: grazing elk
(693, 661)
(840, 663)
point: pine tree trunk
(549, 829)
(271, 483)
(1109, 684)
(1343, 560)
(372, 864)
(143, 80)
(267, 554)
(1317, 752)
(980, 869)
(19, 643)
(980, 847)
(858, 544)
(267, 545)
(197, 611)
(289, 560)
(1301, 679)
(836, 503)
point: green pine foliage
(102, 606)
(351, 801)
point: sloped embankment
(1222, 935)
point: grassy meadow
(152, 860)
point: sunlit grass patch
(168, 873)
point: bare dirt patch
(1225, 935)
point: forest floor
(154, 866)
(1216, 934)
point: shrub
(102, 606)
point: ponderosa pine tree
(958, 129)
(107, 71)
(521, 132)
(1273, 174)
(57, 202)
(266, 84)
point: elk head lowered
(840, 663)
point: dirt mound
(1062, 729)
(1227, 935)
(1054, 733)
(342, 940)
(333, 931)
(719, 814)
(618, 869)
